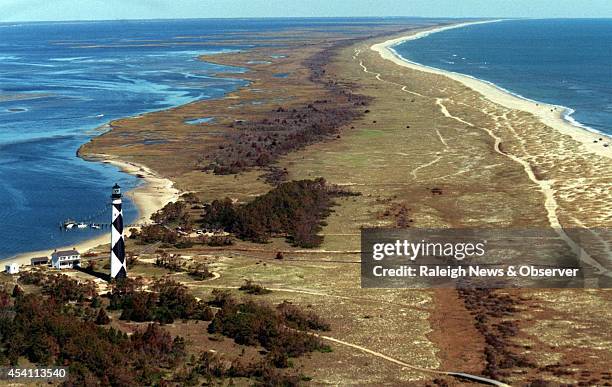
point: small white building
(12, 268)
(65, 259)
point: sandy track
(416, 368)
(545, 186)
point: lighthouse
(117, 264)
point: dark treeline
(168, 301)
(294, 209)
(172, 214)
(261, 142)
(173, 224)
(66, 326)
(48, 330)
(282, 331)
(493, 319)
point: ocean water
(566, 62)
(60, 81)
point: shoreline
(148, 197)
(554, 116)
(153, 194)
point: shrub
(170, 262)
(17, 291)
(64, 288)
(32, 277)
(102, 317)
(252, 288)
(157, 233)
(200, 272)
(251, 323)
(172, 214)
(42, 331)
(298, 319)
(168, 301)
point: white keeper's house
(12, 268)
(65, 259)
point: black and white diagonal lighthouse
(117, 264)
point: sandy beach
(556, 193)
(550, 115)
(154, 193)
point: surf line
(545, 186)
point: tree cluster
(172, 214)
(297, 318)
(172, 262)
(153, 233)
(253, 288)
(213, 366)
(52, 329)
(59, 286)
(294, 209)
(261, 142)
(168, 301)
(260, 324)
(200, 272)
(46, 331)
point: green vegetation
(200, 272)
(67, 323)
(251, 287)
(46, 330)
(212, 366)
(294, 209)
(168, 301)
(259, 324)
(298, 319)
(173, 214)
(60, 287)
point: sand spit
(149, 197)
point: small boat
(96, 226)
(100, 115)
(69, 223)
(81, 225)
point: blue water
(57, 84)
(60, 81)
(204, 120)
(562, 62)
